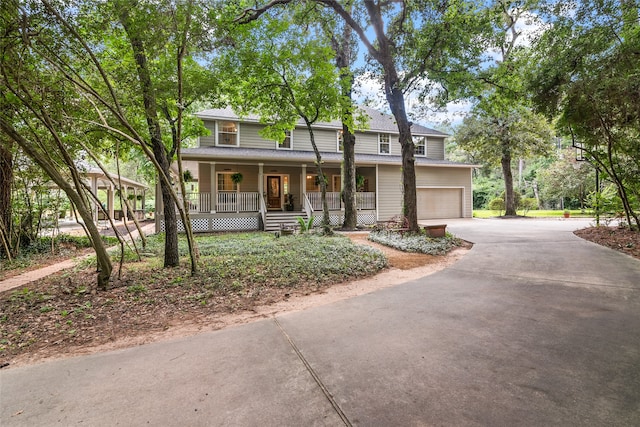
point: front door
(274, 194)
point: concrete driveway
(533, 327)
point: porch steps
(274, 219)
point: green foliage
(584, 71)
(528, 203)
(410, 242)
(496, 204)
(305, 225)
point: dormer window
(287, 143)
(227, 134)
(420, 144)
(384, 147)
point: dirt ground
(96, 322)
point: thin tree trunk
(509, 201)
(6, 184)
(326, 221)
(171, 255)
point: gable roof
(378, 121)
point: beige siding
(326, 140)
(250, 137)
(443, 177)
(367, 143)
(389, 192)
(435, 148)
(209, 140)
(204, 177)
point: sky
(369, 90)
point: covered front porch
(233, 190)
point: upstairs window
(420, 144)
(228, 133)
(340, 141)
(384, 147)
(287, 143)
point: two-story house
(243, 181)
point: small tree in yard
(277, 71)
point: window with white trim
(287, 143)
(384, 146)
(420, 144)
(227, 134)
(225, 182)
(340, 141)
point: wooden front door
(274, 194)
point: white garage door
(436, 203)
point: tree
(283, 74)
(567, 179)
(584, 70)
(418, 45)
(132, 79)
(502, 127)
(498, 139)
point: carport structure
(132, 190)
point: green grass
(576, 213)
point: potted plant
(288, 203)
(567, 213)
(236, 178)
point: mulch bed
(620, 239)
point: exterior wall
(250, 138)
(367, 143)
(389, 192)
(209, 140)
(435, 148)
(204, 177)
(326, 140)
(443, 177)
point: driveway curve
(533, 327)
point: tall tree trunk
(326, 221)
(342, 48)
(171, 255)
(509, 200)
(409, 210)
(395, 98)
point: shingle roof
(378, 121)
(254, 154)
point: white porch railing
(237, 202)
(366, 201)
(333, 200)
(363, 200)
(250, 201)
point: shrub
(415, 242)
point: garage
(434, 203)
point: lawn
(576, 213)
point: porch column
(125, 199)
(144, 193)
(304, 179)
(261, 179)
(94, 190)
(377, 196)
(110, 201)
(214, 188)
